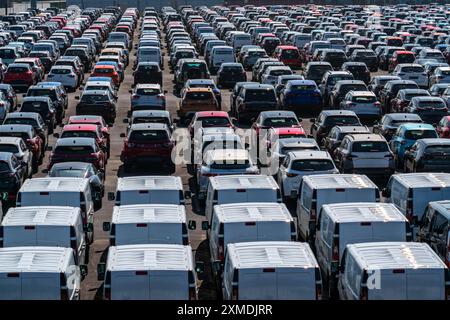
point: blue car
(406, 136)
(301, 96)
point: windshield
(438, 150)
(312, 165)
(72, 173)
(341, 120)
(80, 134)
(333, 79)
(370, 146)
(34, 106)
(420, 134)
(9, 148)
(148, 135)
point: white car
(364, 104)
(300, 163)
(412, 71)
(270, 76)
(64, 74)
(18, 147)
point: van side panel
(169, 285)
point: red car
(208, 119)
(394, 42)
(20, 76)
(443, 127)
(147, 143)
(289, 55)
(86, 131)
(106, 71)
(401, 56)
(97, 120)
(78, 149)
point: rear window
(260, 95)
(28, 121)
(312, 165)
(341, 120)
(148, 92)
(303, 87)
(92, 98)
(289, 54)
(364, 99)
(34, 106)
(412, 69)
(223, 52)
(60, 71)
(151, 120)
(280, 72)
(74, 149)
(42, 93)
(72, 173)
(199, 95)
(214, 121)
(9, 148)
(148, 135)
(16, 134)
(280, 122)
(420, 134)
(445, 72)
(7, 54)
(438, 150)
(4, 166)
(17, 69)
(147, 68)
(80, 134)
(432, 104)
(103, 70)
(230, 165)
(370, 146)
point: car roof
(338, 113)
(202, 114)
(302, 82)
(150, 113)
(415, 126)
(366, 137)
(227, 182)
(75, 127)
(36, 98)
(148, 86)
(435, 141)
(277, 114)
(333, 181)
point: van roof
(34, 259)
(363, 211)
(393, 255)
(424, 179)
(243, 181)
(150, 257)
(331, 181)
(160, 213)
(442, 206)
(56, 215)
(149, 183)
(253, 211)
(279, 254)
(54, 184)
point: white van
(239, 40)
(317, 190)
(149, 272)
(301, 39)
(411, 193)
(271, 270)
(39, 273)
(392, 271)
(148, 190)
(47, 227)
(219, 55)
(49, 191)
(147, 224)
(251, 221)
(149, 54)
(240, 188)
(340, 224)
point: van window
(439, 226)
(306, 197)
(352, 278)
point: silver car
(147, 97)
(18, 147)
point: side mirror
(187, 194)
(199, 267)
(192, 225)
(205, 225)
(312, 120)
(300, 120)
(111, 196)
(130, 91)
(56, 135)
(77, 97)
(122, 135)
(19, 105)
(125, 120)
(101, 270)
(106, 226)
(83, 270)
(165, 91)
(81, 88)
(49, 148)
(217, 266)
(89, 227)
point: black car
(430, 109)
(252, 99)
(45, 57)
(147, 72)
(316, 70)
(359, 71)
(97, 102)
(82, 170)
(327, 119)
(334, 56)
(390, 91)
(12, 175)
(82, 54)
(341, 88)
(230, 73)
(43, 106)
(367, 56)
(55, 92)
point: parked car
(428, 155)
(97, 102)
(430, 109)
(301, 96)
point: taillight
(291, 175)
(364, 293)
(318, 284)
(1, 237)
(293, 232)
(209, 174)
(335, 248)
(221, 248)
(235, 293)
(409, 207)
(447, 284)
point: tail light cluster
(63, 286)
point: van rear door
(392, 286)
(274, 231)
(41, 286)
(240, 232)
(165, 233)
(130, 285)
(169, 285)
(425, 284)
(10, 286)
(57, 236)
(329, 196)
(131, 233)
(16, 236)
(296, 283)
(257, 284)
(261, 195)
